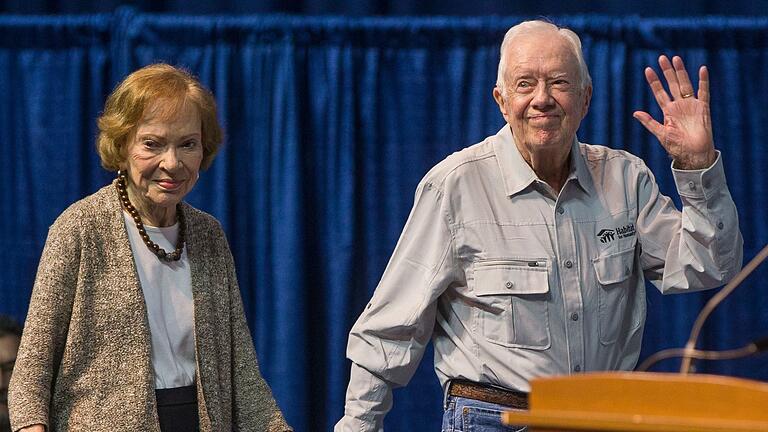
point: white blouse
(167, 288)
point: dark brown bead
(154, 247)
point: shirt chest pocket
(621, 299)
(512, 302)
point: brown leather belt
(487, 393)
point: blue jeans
(469, 415)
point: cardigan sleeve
(253, 407)
(46, 326)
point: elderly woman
(136, 321)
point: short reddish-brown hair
(165, 89)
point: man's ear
(499, 98)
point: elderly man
(526, 254)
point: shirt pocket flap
(614, 268)
(510, 279)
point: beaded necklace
(154, 247)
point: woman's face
(163, 158)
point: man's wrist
(695, 163)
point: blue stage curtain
(330, 124)
(531, 8)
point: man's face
(9, 345)
(543, 99)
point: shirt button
(691, 185)
(720, 225)
(577, 368)
(560, 210)
(508, 284)
(574, 316)
(568, 264)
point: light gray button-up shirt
(513, 281)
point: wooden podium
(639, 401)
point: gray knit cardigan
(85, 358)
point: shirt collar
(518, 175)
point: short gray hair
(528, 27)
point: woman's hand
(33, 428)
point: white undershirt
(167, 288)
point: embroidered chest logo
(608, 235)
